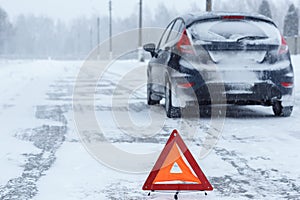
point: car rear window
(233, 30)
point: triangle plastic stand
(197, 180)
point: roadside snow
(41, 157)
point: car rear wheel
(281, 111)
(150, 101)
(171, 111)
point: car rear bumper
(262, 84)
(261, 93)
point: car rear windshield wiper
(251, 38)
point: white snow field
(42, 156)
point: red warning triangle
(176, 169)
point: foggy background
(29, 34)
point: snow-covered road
(42, 156)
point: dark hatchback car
(208, 57)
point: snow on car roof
(192, 17)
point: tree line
(30, 36)
(291, 20)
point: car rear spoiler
(233, 17)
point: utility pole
(140, 23)
(91, 38)
(98, 36)
(140, 51)
(110, 29)
(208, 5)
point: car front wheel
(150, 101)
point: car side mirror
(150, 48)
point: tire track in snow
(253, 183)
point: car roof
(190, 18)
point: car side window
(165, 36)
(176, 30)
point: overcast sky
(68, 9)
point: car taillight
(287, 84)
(184, 45)
(186, 85)
(283, 48)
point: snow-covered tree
(291, 22)
(264, 9)
(163, 15)
(5, 31)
